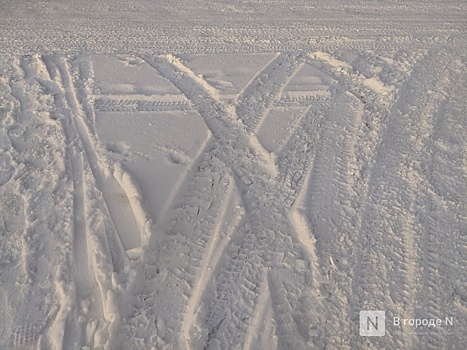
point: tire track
(219, 325)
(257, 98)
(235, 295)
(219, 118)
(373, 124)
(216, 247)
(441, 223)
(190, 232)
(390, 228)
(226, 323)
(295, 163)
(330, 208)
(260, 330)
(182, 179)
(304, 101)
(359, 163)
(267, 260)
(296, 157)
(127, 105)
(199, 236)
(91, 35)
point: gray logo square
(372, 323)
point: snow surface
(232, 174)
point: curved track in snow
(236, 183)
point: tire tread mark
(402, 139)
(263, 91)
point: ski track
(80, 269)
(362, 207)
(117, 200)
(81, 324)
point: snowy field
(213, 175)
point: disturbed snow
(232, 174)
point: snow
(232, 174)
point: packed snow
(213, 175)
